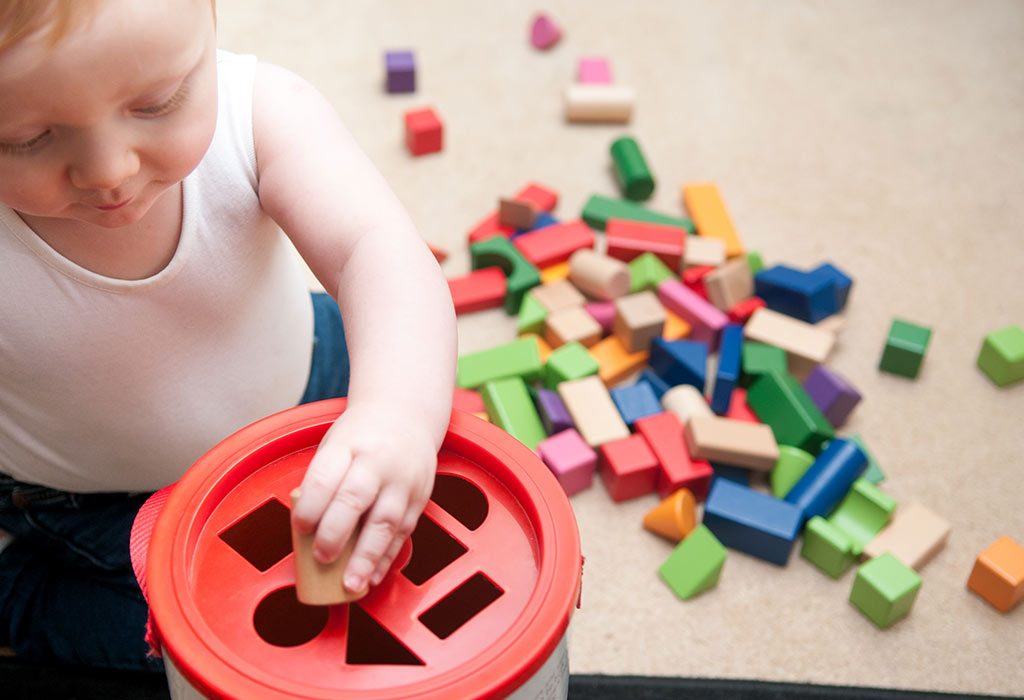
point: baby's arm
(380, 456)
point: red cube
(423, 131)
(628, 468)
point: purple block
(401, 71)
(553, 412)
(832, 394)
(603, 312)
(570, 459)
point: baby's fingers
(384, 527)
(323, 477)
(348, 503)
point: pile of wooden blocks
(610, 374)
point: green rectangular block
(570, 361)
(885, 590)
(780, 402)
(519, 358)
(827, 547)
(904, 349)
(862, 514)
(758, 358)
(1001, 356)
(599, 209)
(510, 407)
(695, 565)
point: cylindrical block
(631, 169)
(829, 478)
(598, 275)
(596, 103)
(686, 401)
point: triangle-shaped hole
(370, 643)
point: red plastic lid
(483, 601)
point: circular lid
(481, 603)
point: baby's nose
(104, 168)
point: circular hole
(280, 619)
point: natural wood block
(593, 410)
(316, 583)
(732, 442)
(686, 401)
(729, 284)
(558, 295)
(639, 319)
(703, 251)
(598, 103)
(801, 340)
(597, 275)
(571, 324)
(516, 214)
(914, 536)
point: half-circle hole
(280, 619)
(461, 498)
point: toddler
(150, 305)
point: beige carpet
(886, 137)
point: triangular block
(531, 315)
(680, 361)
(674, 518)
(695, 565)
(544, 33)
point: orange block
(555, 273)
(998, 574)
(674, 517)
(615, 361)
(675, 327)
(710, 217)
(542, 345)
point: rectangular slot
(461, 605)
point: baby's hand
(374, 462)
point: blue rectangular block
(737, 475)
(843, 282)
(635, 402)
(656, 383)
(751, 521)
(807, 296)
(729, 350)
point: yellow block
(674, 518)
(542, 345)
(615, 361)
(710, 217)
(555, 273)
(675, 327)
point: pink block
(706, 320)
(544, 33)
(570, 459)
(594, 70)
(603, 312)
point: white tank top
(120, 385)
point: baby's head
(104, 104)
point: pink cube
(570, 459)
(594, 70)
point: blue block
(737, 475)
(843, 282)
(825, 484)
(729, 352)
(635, 402)
(806, 296)
(751, 521)
(679, 361)
(654, 381)
(543, 219)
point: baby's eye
(164, 107)
(25, 146)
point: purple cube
(553, 413)
(401, 71)
(570, 459)
(832, 394)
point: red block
(481, 289)
(539, 196)
(628, 239)
(738, 408)
(628, 468)
(554, 244)
(468, 400)
(693, 277)
(423, 131)
(676, 468)
(743, 310)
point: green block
(781, 403)
(864, 511)
(509, 405)
(599, 209)
(646, 272)
(758, 358)
(874, 472)
(793, 463)
(755, 262)
(570, 361)
(631, 169)
(1002, 355)
(827, 547)
(532, 315)
(904, 349)
(520, 358)
(885, 590)
(695, 565)
(521, 273)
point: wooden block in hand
(316, 583)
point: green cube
(569, 361)
(862, 514)
(904, 349)
(874, 472)
(509, 405)
(754, 262)
(695, 565)
(599, 209)
(827, 547)
(647, 271)
(1002, 355)
(780, 402)
(520, 358)
(532, 315)
(758, 358)
(885, 590)
(522, 275)
(792, 464)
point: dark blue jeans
(67, 590)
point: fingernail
(354, 583)
(321, 555)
